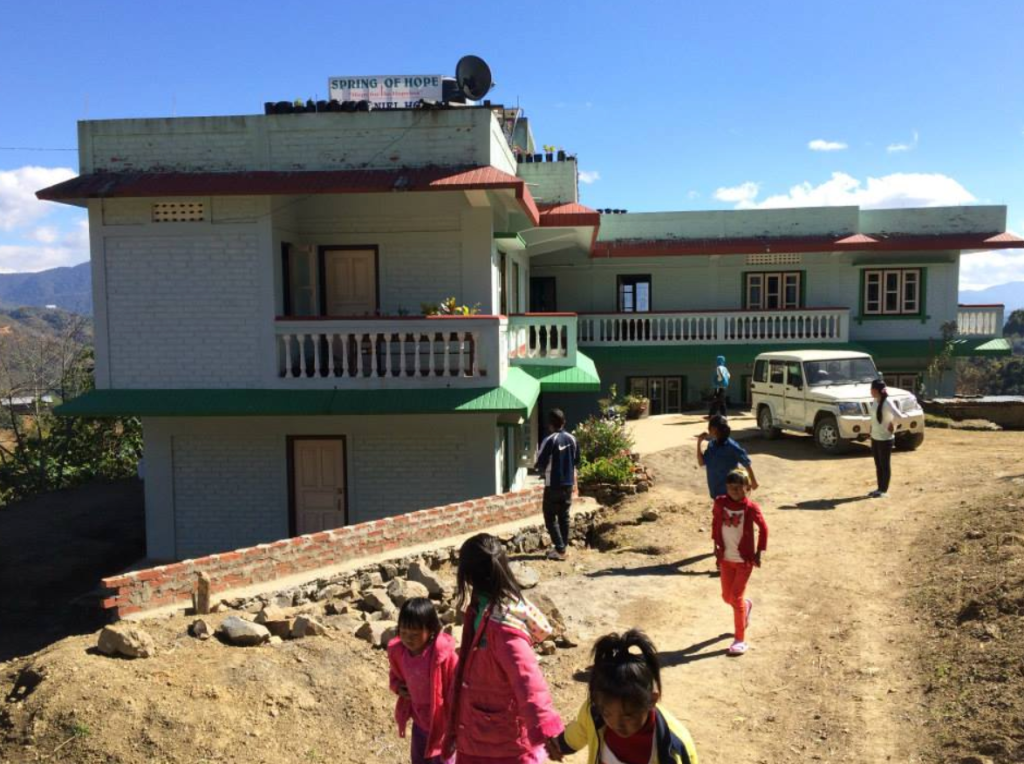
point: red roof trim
(266, 182)
(858, 242)
(569, 215)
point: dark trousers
(557, 501)
(718, 401)
(882, 451)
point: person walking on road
(558, 459)
(884, 418)
(719, 388)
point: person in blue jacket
(719, 388)
(557, 460)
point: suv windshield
(840, 371)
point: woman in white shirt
(884, 416)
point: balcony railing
(542, 338)
(715, 327)
(980, 320)
(376, 353)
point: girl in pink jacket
(423, 661)
(500, 710)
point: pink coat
(442, 674)
(500, 707)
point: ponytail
(879, 386)
(483, 569)
(627, 669)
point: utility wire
(30, 148)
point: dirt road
(832, 674)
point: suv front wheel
(766, 424)
(827, 436)
(909, 442)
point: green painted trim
(517, 395)
(581, 378)
(508, 237)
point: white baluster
(286, 339)
(302, 354)
(373, 354)
(402, 366)
(475, 355)
(447, 353)
(460, 337)
(330, 354)
(387, 354)
(316, 354)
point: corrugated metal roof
(517, 395)
(569, 215)
(581, 378)
(266, 182)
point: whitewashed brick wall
(551, 182)
(211, 151)
(183, 311)
(227, 492)
(399, 473)
(418, 273)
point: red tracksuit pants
(734, 586)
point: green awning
(581, 378)
(518, 396)
(744, 354)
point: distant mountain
(1011, 295)
(70, 289)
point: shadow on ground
(54, 549)
(661, 569)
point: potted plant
(549, 153)
(538, 157)
(561, 155)
(637, 406)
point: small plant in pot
(637, 406)
(549, 153)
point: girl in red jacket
(501, 711)
(423, 662)
(732, 527)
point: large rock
(422, 574)
(127, 641)
(400, 591)
(525, 575)
(549, 609)
(305, 626)
(376, 600)
(378, 633)
(333, 591)
(242, 633)
(371, 580)
(200, 629)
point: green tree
(1014, 324)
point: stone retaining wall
(173, 584)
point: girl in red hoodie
(732, 527)
(501, 711)
(423, 662)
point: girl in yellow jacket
(621, 722)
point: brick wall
(227, 492)
(420, 272)
(551, 182)
(173, 584)
(181, 311)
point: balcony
(803, 326)
(980, 321)
(374, 353)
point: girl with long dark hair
(884, 417)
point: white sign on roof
(391, 91)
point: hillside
(70, 289)
(1011, 295)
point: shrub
(636, 406)
(616, 470)
(602, 438)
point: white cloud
(822, 145)
(894, 148)
(589, 176)
(24, 259)
(980, 270)
(44, 234)
(742, 194)
(895, 190)
(693, 194)
(18, 204)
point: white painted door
(795, 389)
(319, 485)
(351, 281)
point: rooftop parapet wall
(934, 221)
(296, 142)
(551, 182)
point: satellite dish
(473, 76)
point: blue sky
(669, 105)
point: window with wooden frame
(892, 292)
(781, 290)
(634, 294)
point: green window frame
(889, 294)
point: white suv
(826, 393)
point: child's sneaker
(554, 554)
(737, 648)
(874, 494)
(881, 495)
(750, 608)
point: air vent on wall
(179, 212)
(774, 258)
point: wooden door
(351, 282)
(320, 497)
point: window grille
(179, 212)
(774, 258)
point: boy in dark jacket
(557, 459)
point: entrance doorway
(350, 282)
(542, 295)
(664, 393)
(319, 499)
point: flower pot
(561, 156)
(519, 158)
(549, 157)
(529, 158)
(538, 157)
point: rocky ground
(882, 631)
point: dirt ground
(860, 647)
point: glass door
(673, 395)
